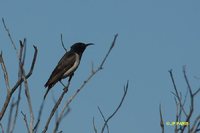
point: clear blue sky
(154, 36)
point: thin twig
(10, 115)
(195, 124)
(25, 120)
(54, 101)
(161, 120)
(177, 115)
(29, 103)
(2, 130)
(3, 66)
(198, 127)
(87, 80)
(196, 92)
(176, 92)
(39, 117)
(111, 47)
(9, 35)
(191, 98)
(61, 38)
(94, 127)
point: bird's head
(80, 47)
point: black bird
(67, 65)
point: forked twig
(118, 107)
(104, 119)
(14, 88)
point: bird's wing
(65, 63)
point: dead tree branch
(180, 106)
(14, 88)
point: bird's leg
(70, 77)
(65, 87)
(69, 80)
(62, 84)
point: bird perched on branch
(67, 65)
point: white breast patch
(74, 67)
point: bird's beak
(89, 44)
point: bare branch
(55, 107)
(29, 102)
(120, 104)
(180, 106)
(186, 80)
(191, 98)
